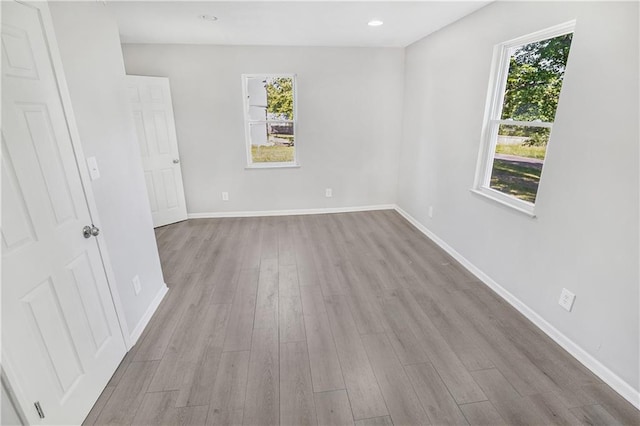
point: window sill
(506, 200)
(272, 166)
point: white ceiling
(292, 23)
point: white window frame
(493, 112)
(247, 122)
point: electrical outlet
(566, 299)
(136, 285)
(430, 211)
(225, 196)
(328, 192)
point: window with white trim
(525, 85)
(270, 120)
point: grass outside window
(272, 154)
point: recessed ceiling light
(375, 23)
(209, 18)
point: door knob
(176, 161)
(90, 231)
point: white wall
(92, 59)
(349, 122)
(585, 237)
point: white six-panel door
(61, 339)
(150, 99)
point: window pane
(536, 71)
(272, 142)
(279, 98)
(518, 160)
(257, 93)
(270, 98)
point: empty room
(367, 213)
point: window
(525, 87)
(270, 120)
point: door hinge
(39, 409)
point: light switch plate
(92, 164)
(566, 299)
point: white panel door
(61, 339)
(150, 99)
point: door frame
(12, 380)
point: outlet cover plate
(328, 192)
(566, 299)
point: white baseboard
(609, 377)
(293, 212)
(137, 331)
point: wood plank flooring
(339, 319)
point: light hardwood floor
(339, 319)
